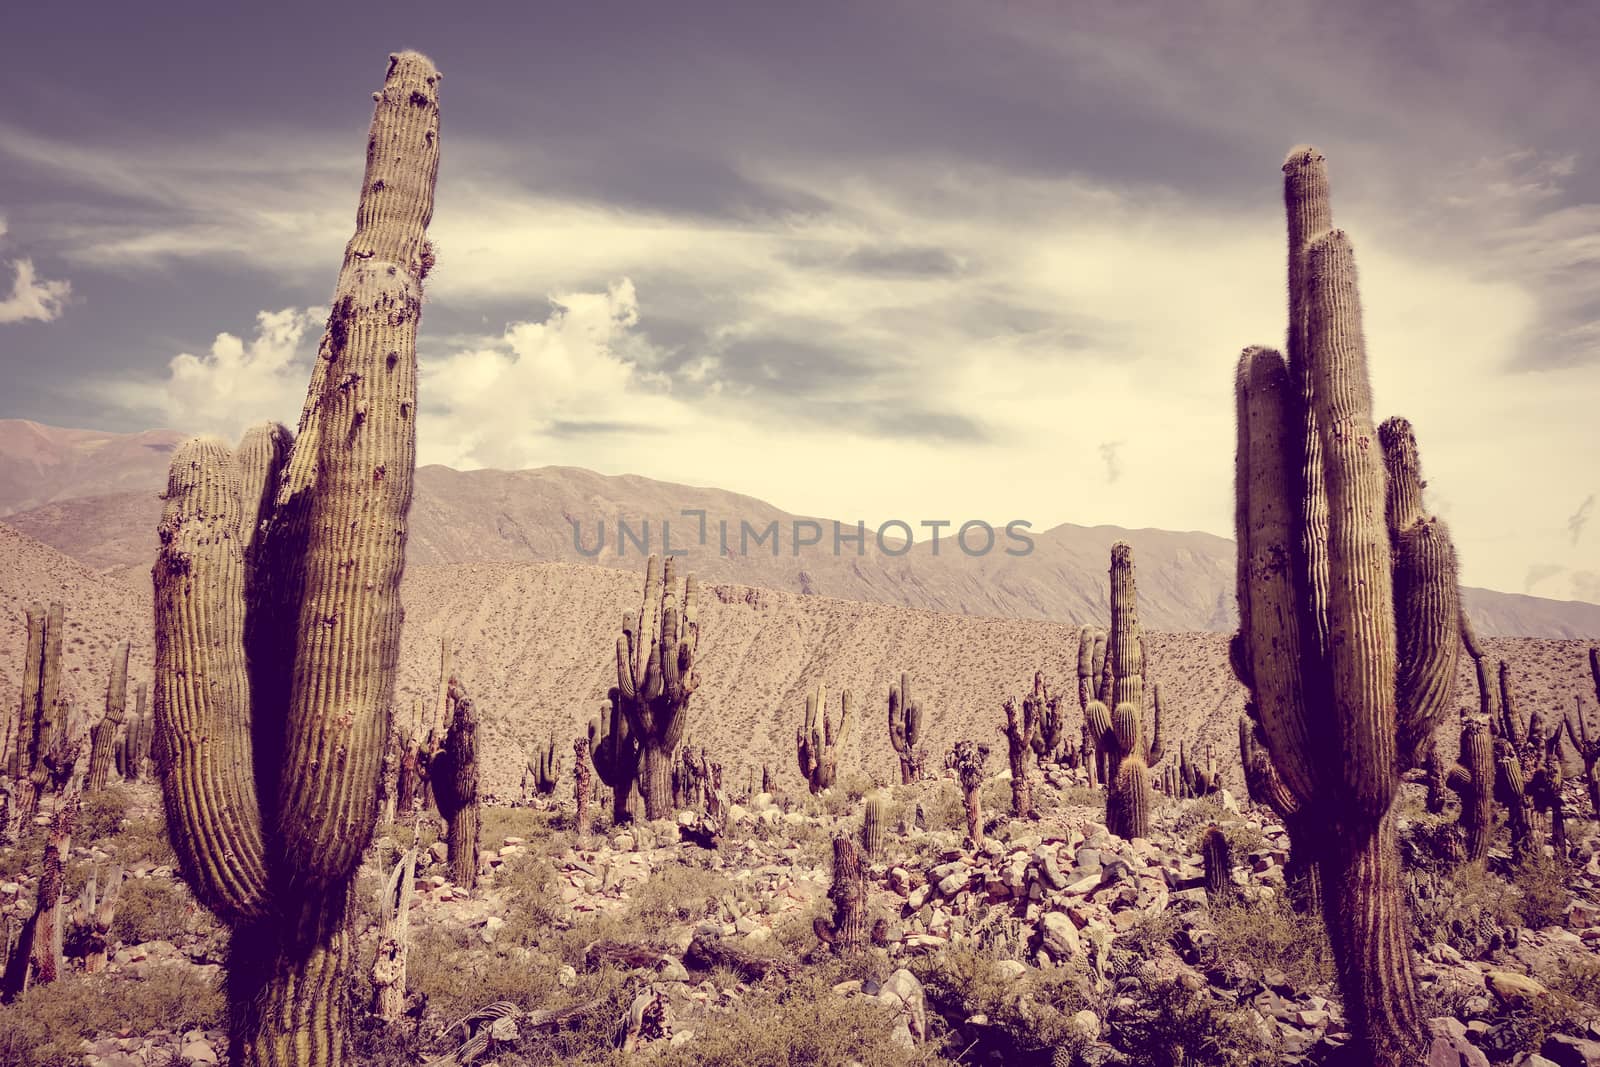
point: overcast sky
(875, 260)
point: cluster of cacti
(1019, 730)
(656, 676)
(873, 814)
(967, 758)
(615, 751)
(1192, 778)
(817, 742)
(1094, 686)
(455, 787)
(37, 956)
(132, 753)
(1348, 610)
(1049, 726)
(1217, 855)
(270, 770)
(103, 739)
(848, 894)
(691, 778)
(1118, 736)
(905, 729)
(582, 783)
(41, 752)
(543, 771)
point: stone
(1513, 988)
(903, 992)
(1568, 1051)
(1060, 935)
(197, 1052)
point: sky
(889, 259)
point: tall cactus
(543, 772)
(967, 759)
(104, 738)
(1120, 734)
(614, 748)
(818, 741)
(455, 787)
(41, 717)
(1349, 610)
(1587, 746)
(1472, 778)
(905, 729)
(270, 759)
(656, 676)
(1019, 730)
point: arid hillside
(459, 517)
(535, 641)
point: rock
(1060, 936)
(1011, 968)
(1568, 1051)
(440, 851)
(197, 1052)
(671, 969)
(1450, 1046)
(1513, 988)
(903, 992)
(1086, 1023)
(567, 976)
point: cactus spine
(1348, 610)
(656, 676)
(818, 741)
(104, 738)
(905, 729)
(270, 769)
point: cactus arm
(202, 691)
(1156, 750)
(1273, 649)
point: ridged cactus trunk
(41, 724)
(275, 666)
(818, 741)
(1120, 734)
(1217, 855)
(1021, 724)
(848, 894)
(656, 676)
(905, 729)
(455, 788)
(614, 748)
(1302, 876)
(103, 742)
(1472, 778)
(1349, 611)
(873, 819)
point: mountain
(534, 641)
(561, 514)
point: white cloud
(237, 383)
(31, 296)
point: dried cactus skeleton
(278, 582)
(1348, 609)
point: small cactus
(582, 779)
(873, 818)
(848, 894)
(36, 958)
(905, 729)
(967, 758)
(1218, 856)
(455, 787)
(1472, 778)
(104, 738)
(615, 752)
(1018, 731)
(818, 741)
(543, 771)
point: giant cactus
(1120, 734)
(275, 668)
(905, 729)
(818, 741)
(1348, 610)
(104, 738)
(656, 676)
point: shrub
(144, 840)
(1468, 908)
(1270, 934)
(45, 1026)
(102, 814)
(675, 893)
(154, 909)
(1172, 1025)
(1541, 883)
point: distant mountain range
(93, 496)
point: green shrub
(45, 1027)
(154, 909)
(1171, 1024)
(102, 814)
(144, 840)
(1543, 896)
(675, 894)
(1270, 934)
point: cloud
(1108, 455)
(1580, 518)
(237, 383)
(32, 297)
